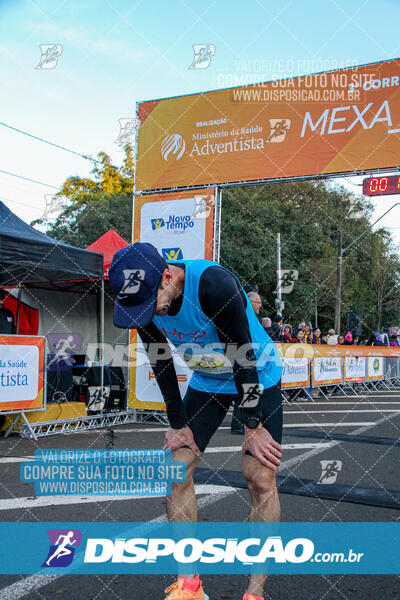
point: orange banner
(21, 373)
(321, 350)
(334, 122)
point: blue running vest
(195, 337)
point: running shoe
(186, 589)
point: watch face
(252, 423)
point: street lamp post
(341, 251)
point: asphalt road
(363, 464)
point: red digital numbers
(380, 186)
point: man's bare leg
(181, 504)
(265, 506)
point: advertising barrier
(325, 366)
(375, 368)
(327, 370)
(332, 122)
(22, 371)
(295, 372)
(354, 369)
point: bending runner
(202, 309)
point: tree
(308, 215)
(94, 205)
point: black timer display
(381, 186)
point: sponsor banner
(21, 373)
(180, 225)
(295, 372)
(317, 350)
(354, 368)
(375, 368)
(327, 370)
(331, 122)
(162, 548)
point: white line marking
(361, 424)
(297, 459)
(41, 501)
(15, 459)
(394, 131)
(361, 401)
(149, 429)
(299, 446)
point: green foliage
(309, 216)
(95, 205)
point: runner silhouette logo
(251, 395)
(62, 547)
(133, 280)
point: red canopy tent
(108, 244)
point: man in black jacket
(7, 323)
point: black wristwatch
(252, 422)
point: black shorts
(205, 412)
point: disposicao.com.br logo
(62, 547)
(210, 548)
(215, 554)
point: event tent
(108, 244)
(30, 258)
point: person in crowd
(340, 340)
(332, 340)
(7, 322)
(317, 336)
(378, 339)
(311, 338)
(266, 323)
(287, 334)
(307, 331)
(277, 328)
(298, 337)
(255, 301)
(394, 341)
(375, 339)
(348, 339)
(325, 338)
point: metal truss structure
(84, 423)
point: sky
(117, 53)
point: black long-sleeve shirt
(222, 300)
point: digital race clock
(381, 186)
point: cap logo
(133, 279)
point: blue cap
(135, 275)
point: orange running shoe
(186, 589)
(248, 596)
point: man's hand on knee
(178, 438)
(262, 447)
